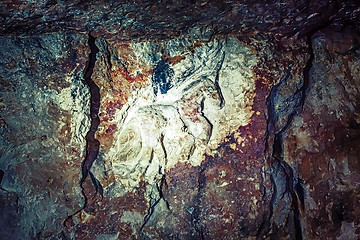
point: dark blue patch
(73, 94)
(162, 77)
(1, 175)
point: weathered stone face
(44, 119)
(182, 110)
(323, 142)
(179, 120)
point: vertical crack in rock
(207, 120)
(277, 149)
(195, 212)
(151, 209)
(159, 187)
(271, 110)
(277, 152)
(150, 161)
(293, 186)
(108, 57)
(163, 184)
(164, 149)
(92, 144)
(300, 193)
(270, 103)
(1, 175)
(155, 201)
(216, 83)
(1, 178)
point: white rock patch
(211, 96)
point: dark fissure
(293, 184)
(155, 201)
(92, 144)
(295, 193)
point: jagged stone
(179, 120)
(44, 119)
(322, 144)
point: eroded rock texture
(44, 120)
(179, 120)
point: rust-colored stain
(107, 125)
(222, 194)
(191, 108)
(110, 108)
(127, 75)
(191, 111)
(334, 150)
(195, 45)
(111, 128)
(250, 139)
(84, 217)
(108, 214)
(176, 59)
(130, 66)
(124, 77)
(107, 136)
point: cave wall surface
(179, 120)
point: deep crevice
(271, 111)
(92, 144)
(296, 192)
(300, 193)
(271, 119)
(277, 150)
(1, 175)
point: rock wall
(179, 120)
(44, 120)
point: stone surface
(322, 144)
(44, 119)
(179, 120)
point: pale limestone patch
(211, 96)
(75, 100)
(132, 217)
(114, 236)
